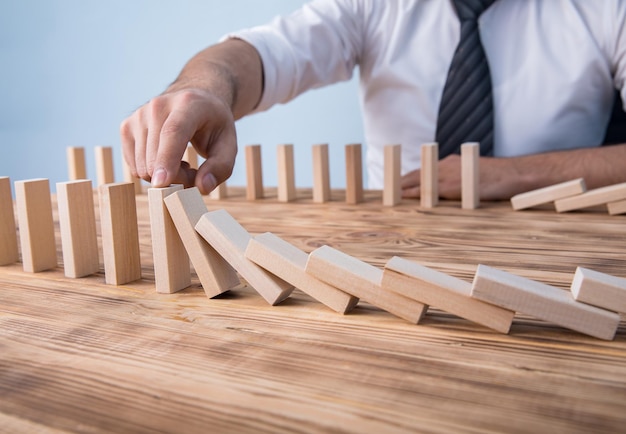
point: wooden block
(599, 289)
(230, 239)
(220, 192)
(77, 222)
(548, 194)
(321, 174)
(618, 207)
(171, 261)
(429, 174)
(542, 301)
(354, 174)
(470, 175)
(288, 262)
(76, 164)
(34, 215)
(392, 191)
(128, 177)
(120, 234)
(361, 280)
(445, 292)
(8, 231)
(254, 172)
(599, 196)
(215, 274)
(104, 165)
(286, 174)
(191, 157)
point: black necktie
(466, 110)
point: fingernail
(209, 182)
(158, 177)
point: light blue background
(72, 70)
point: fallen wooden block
(215, 274)
(286, 174)
(105, 171)
(354, 174)
(230, 239)
(429, 175)
(321, 174)
(599, 289)
(289, 263)
(470, 175)
(392, 191)
(8, 231)
(445, 292)
(34, 216)
(618, 207)
(76, 164)
(171, 261)
(548, 194)
(362, 280)
(254, 172)
(543, 302)
(599, 196)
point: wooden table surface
(77, 355)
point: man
(554, 67)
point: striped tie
(466, 110)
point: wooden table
(82, 356)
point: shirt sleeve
(315, 46)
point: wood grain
(429, 173)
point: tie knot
(471, 9)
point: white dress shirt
(554, 66)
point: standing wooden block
(254, 172)
(191, 156)
(8, 231)
(230, 239)
(220, 192)
(104, 165)
(286, 174)
(548, 194)
(321, 174)
(599, 196)
(34, 214)
(171, 261)
(362, 280)
(77, 221)
(445, 292)
(76, 164)
(288, 262)
(470, 175)
(429, 174)
(354, 174)
(618, 207)
(215, 274)
(128, 177)
(542, 301)
(599, 289)
(120, 234)
(392, 191)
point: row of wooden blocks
(392, 190)
(221, 250)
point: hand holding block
(362, 280)
(542, 301)
(8, 231)
(288, 262)
(445, 292)
(548, 194)
(599, 196)
(429, 173)
(599, 289)
(215, 274)
(230, 239)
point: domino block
(288, 263)
(120, 234)
(220, 192)
(470, 175)
(286, 174)
(599, 289)
(542, 301)
(230, 239)
(104, 165)
(128, 177)
(618, 207)
(321, 174)
(8, 232)
(354, 174)
(548, 194)
(392, 191)
(215, 274)
(191, 156)
(361, 280)
(599, 196)
(171, 261)
(254, 172)
(76, 165)
(77, 222)
(445, 292)
(429, 174)
(34, 214)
